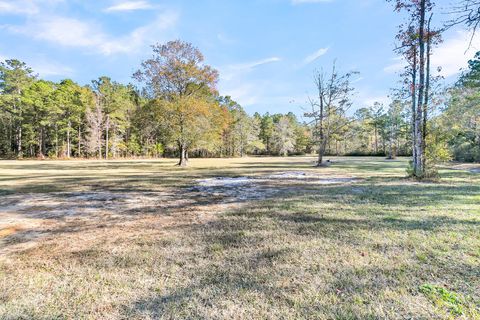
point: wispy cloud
(244, 84)
(25, 7)
(451, 56)
(130, 6)
(71, 32)
(314, 56)
(44, 67)
(258, 63)
(48, 69)
(246, 94)
(357, 80)
(397, 65)
(233, 70)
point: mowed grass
(382, 247)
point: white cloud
(25, 7)
(397, 66)
(451, 56)
(142, 35)
(254, 64)
(46, 69)
(11, 8)
(314, 56)
(62, 31)
(246, 94)
(357, 80)
(71, 32)
(234, 70)
(130, 6)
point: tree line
(178, 111)
(107, 119)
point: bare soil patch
(27, 219)
(263, 186)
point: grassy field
(147, 240)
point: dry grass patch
(377, 247)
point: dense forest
(107, 119)
(175, 110)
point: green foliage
(42, 118)
(442, 297)
(471, 78)
(460, 119)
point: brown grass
(144, 245)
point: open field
(274, 238)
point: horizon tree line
(180, 113)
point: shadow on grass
(237, 266)
(250, 251)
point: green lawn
(140, 240)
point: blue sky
(266, 50)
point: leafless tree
(329, 108)
(467, 12)
(94, 129)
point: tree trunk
(323, 142)
(79, 151)
(19, 142)
(40, 143)
(68, 140)
(419, 170)
(99, 145)
(106, 137)
(414, 105)
(427, 90)
(183, 155)
(321, 153)
(56, 140)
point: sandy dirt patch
(261, 187)
(29, 218)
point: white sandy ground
(27, 218)
(260, 187)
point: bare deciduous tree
(330, 107)
(467, 12)
(284, 136)
(94, 129)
